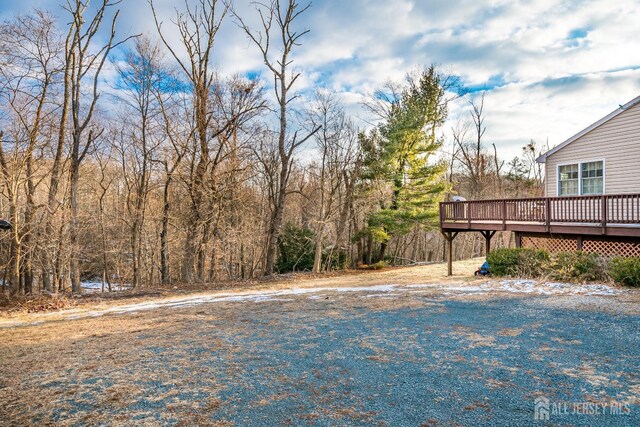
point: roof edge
(619, 110)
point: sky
(547, 69)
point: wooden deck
(611, 217)
(606, 215)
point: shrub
(566, 266)
(378, 265)
(335, 259)
(296, 249)
(579, 266)
(626, 271)
(518, 262)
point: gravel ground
(382, 356)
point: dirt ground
(402, 347)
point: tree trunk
(369, 253)
(382, 252)
(317, 259)
(164, 255)
(15, 252)
(27, 240)
(276, 223)
(74, 267)
(189, 254)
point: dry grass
(110, 349)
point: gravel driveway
(377, 356)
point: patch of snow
(520, 286)
(93, 287)
(532, 287)
(559, 285)
(552, 288)
(424, 285)
(602, 290)
(528, 287)
(377, 288)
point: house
(592, 190)
(604, 158)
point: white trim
(580, 163)
(604, 176)
(620, 110)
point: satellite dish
(5, 225)
(458, 199)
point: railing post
(603, 213)
(547, 210)
(468, 215)
(504, 214)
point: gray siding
(617, 142)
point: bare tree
(85, 68)
(477, 165)
(142, 76)
(11, 184)
(171, 153)
(337, 144)
(216, 117)
(530, 154)
(277, 26)
(103, 158)
(198, 28)
(29, 62)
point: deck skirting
(608, 246)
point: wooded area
(175, 173)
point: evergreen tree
(399, 156)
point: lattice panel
(551, 244)
(625, 249)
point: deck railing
(595, 210)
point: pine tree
(399, 155)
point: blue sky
(548, 68)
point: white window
(569, 180)
(584, 178)
(592, 178)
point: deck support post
(518, 240)
(487, 240)
(449, 236)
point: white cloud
(550, 111)
(551, 67)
